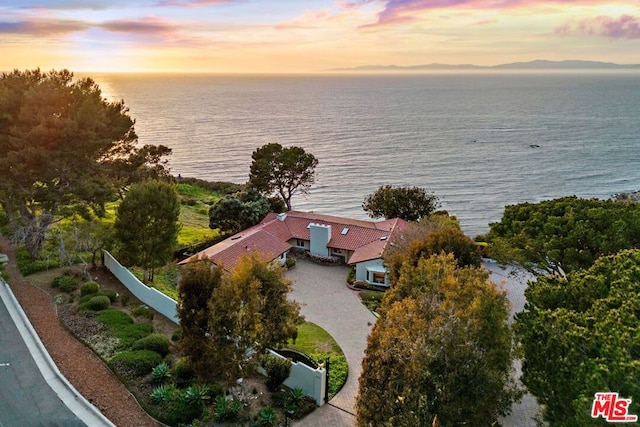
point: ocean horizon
(478, 141)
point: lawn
(315, 342)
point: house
(359, 243)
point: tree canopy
(441, 350)
(408, 203)
(565, 234)
(239, 211)
(59, 140)
(196, 286)
(283, 171)
(233, 315)
(581, 335)
(147, 225)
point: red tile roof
(366, 239)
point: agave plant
(294, 399)
(161, 373)
(196, 393)
(267, 417)
(163, 393)
(226, 409)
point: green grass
(194, 214)
(165, 279)
(318, 344)
(196, 192)
(121, 326)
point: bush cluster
(65, 283)
(143, 311)
(98, 303)
(89, 288)
(137, 362)
(28, 266)
(372, 299)
(290, 262)
(109, 293)
(278, 370)
(154, 342)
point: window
(300, 243)
(378, 277)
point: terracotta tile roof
(366, 239)
(229, 252)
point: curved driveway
(328, 302)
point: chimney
(319, 236)
(281, 216)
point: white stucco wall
(150, 296)
(372, 265)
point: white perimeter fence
(312, 381)
(150, 296)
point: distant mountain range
(531, 65)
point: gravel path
(88, 374)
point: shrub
(89, 288)
(161, 373)
(351, 275)
(124, 299)
(372, 299)
(176, 335)
(28, 266)
(182, 409)
(183, 371)
(121, 326)
(132, 333)
(290, 262)
(65, 283)
(136, 362)
(143, 311)
(98, 303)
(114, 319)
(109, 293)
(278, 370)
(154, 342)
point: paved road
(328, 302)
(25, 397)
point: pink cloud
(139, 26)
(42, 28)
(403, 11)
(624, 27)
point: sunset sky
(264, 36)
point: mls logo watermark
(612, 408)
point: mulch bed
(88, 374)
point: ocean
(478, 141)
